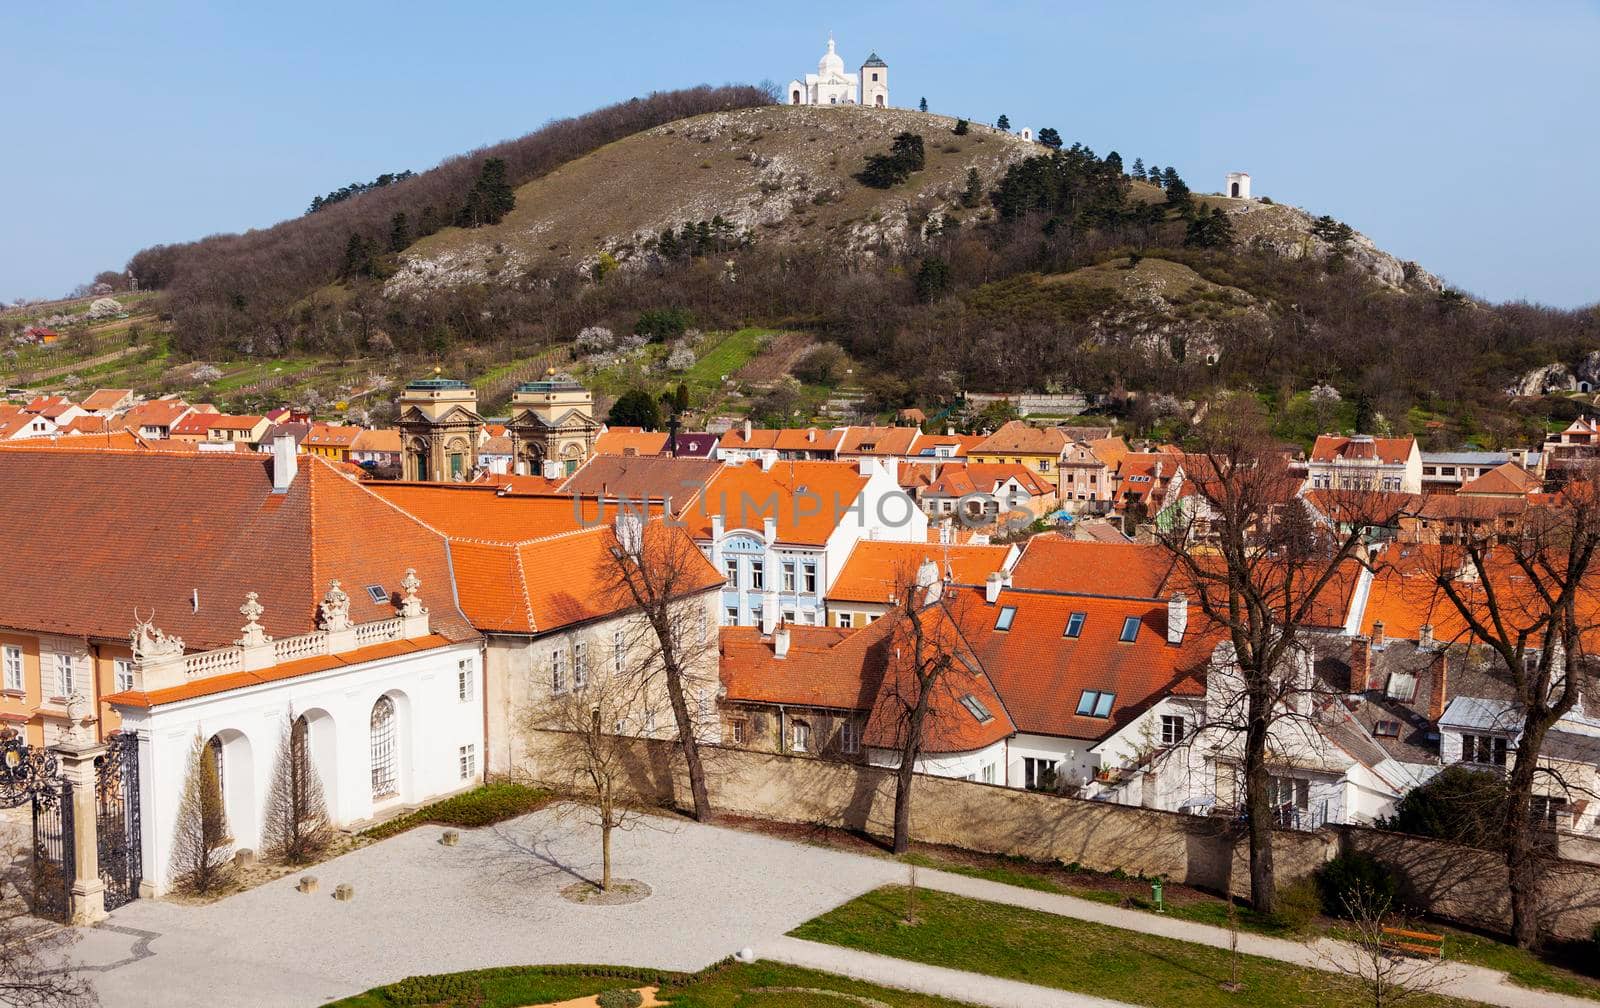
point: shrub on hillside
(824, 364)
(619, 997)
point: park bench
(1417, 943)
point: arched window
(385, 783)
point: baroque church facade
(830, 85)
(552, 429)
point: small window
(1386, 729)
(846, 620)
(1130, 629)
(730, 565)
(736, 731)
(850, 738)
(123, 674)
(13, 660)
(1094, 703)
(378, 594)
(1007, 614)
(799, 736)
(65, 675)
(1171, 729)
(580, 664)
(464, 680)
(1075, 624)
(976, 708)
(467, 761)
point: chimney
(991, 587)
(1438, 683)
(811, 434)
(767, 458)
(284, 463)
(945, 530)
(1425, 636)
(747, 433)
(780, 641)
(1360, 664)
(1377, 633)
(1177, 617)
(769, 614)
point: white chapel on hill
(830, 85)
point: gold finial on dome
(550, 372)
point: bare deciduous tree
(1368, 968)
(656, 570)
(1528, 598)
(1248, 553)
(296, 827)
(928, 666)
(588, 754)
(200, 838)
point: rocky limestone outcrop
(1288, 231)
(1583, 376)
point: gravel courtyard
(421, 907)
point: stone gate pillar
(75, 754)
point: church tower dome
(830, 65)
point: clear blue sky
(1459, 134)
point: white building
(781, 532)
(830, 85)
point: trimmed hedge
(492, 803)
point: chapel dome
(830, 63)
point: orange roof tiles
(1052, 562)
(1017, 436)
(382, 439)
(1503, 480)
(809, 439)
(208, 526)
(875, 569)
(482, 511)
(1337, 448)
(812, 674)
(224, 421)
(630, 441)
(88, 424)
(323, 435)
(807, 499)
(51, 406)
(106, 399)
(156, 413)
(878, 441)
(958, 479)
(929, 444)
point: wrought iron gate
(29, 776)
(117, 826)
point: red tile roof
(106, 399)
(875, 569)
(809, 439)
(1504, 479)
(958, 479)
(1337, 448)
(1017, 436)
(630, 441)
(51, 406)
(1052, 562)
(156, 413)
(322, 435)
(879, 441)
(208, 526)
(807, 498)
(811, 675)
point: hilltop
(780, 173)
(993, 263)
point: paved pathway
(973, 988)
(494, 900)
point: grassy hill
(779, 173)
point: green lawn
(1527, 969)
(727, 985)
(492, 803)
(1052, 951)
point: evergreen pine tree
(681, 398)
(399, 232)
(1002, 123)
(1050, 138)
(974, 189)
(961, 128)
(922, 106)
(667, 245)
(1138, 168)
(354, 256)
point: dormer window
(1075, 625)
(1130, 629)
(1007, 614)
(1386, 729)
